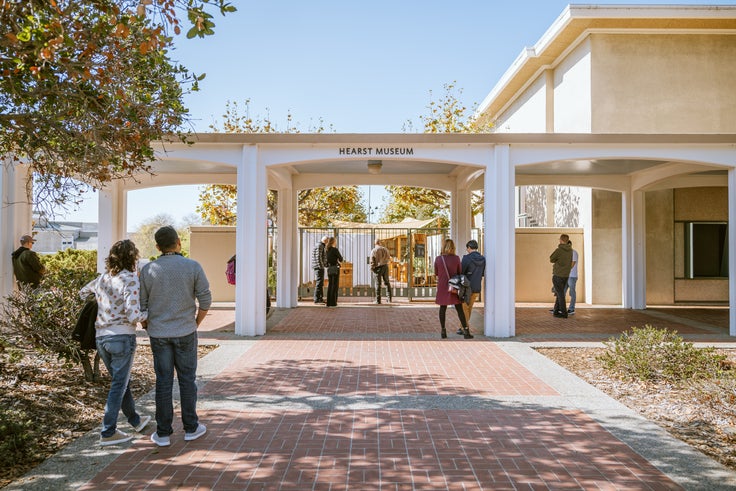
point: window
(706, 249)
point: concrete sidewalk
(369, 397)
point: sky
(352, 66)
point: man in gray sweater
(176, 294)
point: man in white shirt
(572, 281)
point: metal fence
(411, 271)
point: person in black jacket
(26, 264)
(474, 267)
(334, 258)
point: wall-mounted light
(374, 166)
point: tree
(448, 115)
(87, 86)
(144, 240)
(317, 207)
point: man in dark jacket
(26, 264)
(474, 267)
(319, 263)
(561, 260)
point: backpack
(230, 271)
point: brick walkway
(364, 397)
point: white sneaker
(201, 430)
(115, 438)
(161, 441)
(142, 425)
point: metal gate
(411, 271)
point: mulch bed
(57, 405)
(700, 413)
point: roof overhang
(577, 21)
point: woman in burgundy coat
(446, 266)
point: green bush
(71, 265)
(16, 443)
(652, 354)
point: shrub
(42, 319)
(652, 354)
(73, 265)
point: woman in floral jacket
(117, 292)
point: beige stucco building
(634, 105)
(633, 70)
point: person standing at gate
(379, 265)
(447, 265)
(572, 281)
(333, 258)
(474, 267)
(561, 260)
(319, 264)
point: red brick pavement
(388, 449)
(274, 423)
(299, 368)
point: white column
(732, 251)
(586, 207)
(112, 213)
(454, 208)
(22, 203)
(250, 295)
(500, 241)
(286, 252)
(16, 218)
(627, 278)
(638, 258)
(463, 219)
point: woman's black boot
(466, 333)
(443, 333)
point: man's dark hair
(166, 238)
(472, 244)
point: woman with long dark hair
(117, 292)
(447, 265)
(333, 258)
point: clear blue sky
(363, 67)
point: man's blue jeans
(180, 354)
(116, 352)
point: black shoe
(319, 301)
(561, 315)
(443, 333)
(466, 334)
(571, 312)
(460, 332)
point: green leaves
(87, 85)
